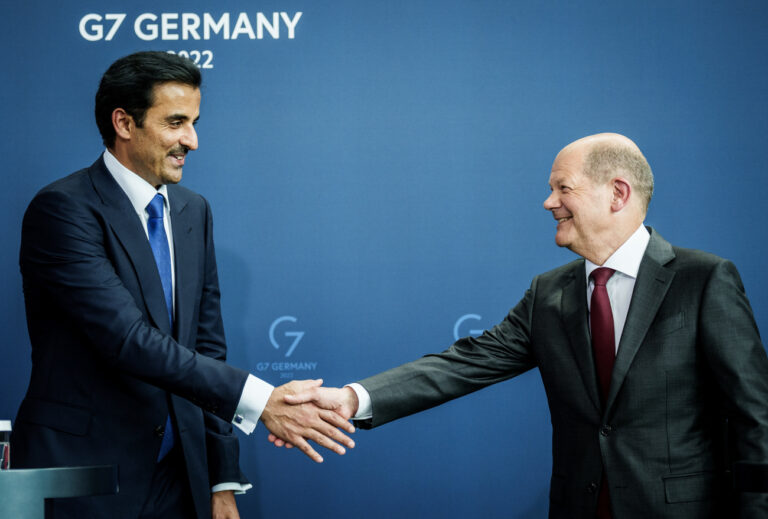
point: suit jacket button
(159, 431)
(592, 488)
(606, 430)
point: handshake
(302, 410)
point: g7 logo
(95, 31)
(463, 318)
(296, 335)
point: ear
(123, 123)
(622, 191)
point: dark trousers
(169, 495)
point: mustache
(181, 150)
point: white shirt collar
(626, 259)
(139, 191)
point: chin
(561, 241)
(172, 179)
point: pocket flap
(690, 487)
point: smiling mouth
(178, 154)
(564, 219)
(178, 158)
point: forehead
(176, 97)
(567, 167)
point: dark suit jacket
(104, 358)
(689, 362)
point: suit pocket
(62, 417)
(690, 487)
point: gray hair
(606, 159)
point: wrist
(351, 400)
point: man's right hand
(293, 419)
(342, 401)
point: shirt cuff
(364, 411)
(256, 392)
(239, 488)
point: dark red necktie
(604, 348)
(601, 322)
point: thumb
(300, 398)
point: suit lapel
(184, 247)
(575, 316)
(653, 281)
(122, 218)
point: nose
(189, 139)
(551, 202)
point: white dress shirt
(140, 192)
(625, 261)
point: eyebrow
(180, 117)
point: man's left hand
(223, 505)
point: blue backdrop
(376, 171)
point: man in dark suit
(650, 356)
(122, 301)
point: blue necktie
(158, 240)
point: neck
(124, 158)
(604, 249)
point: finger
(337, 420)
(322, 439)
(336, 435)
(307, 449)
(277, 442)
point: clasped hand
(301, 410)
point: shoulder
(73, 185)
(190, 207)
(695, 258)
(691, 265)
(557, 275)
(184, 197)
(62, 217)
(699, 268)
(665, 254)
(72, 193)
(693, 269)
(179, 192)
(553, 281)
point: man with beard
(122, 300)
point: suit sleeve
(63, 256)
(738, 361)
(222, 446)
(470, 364)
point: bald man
(655, 374)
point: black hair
(129, 83)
